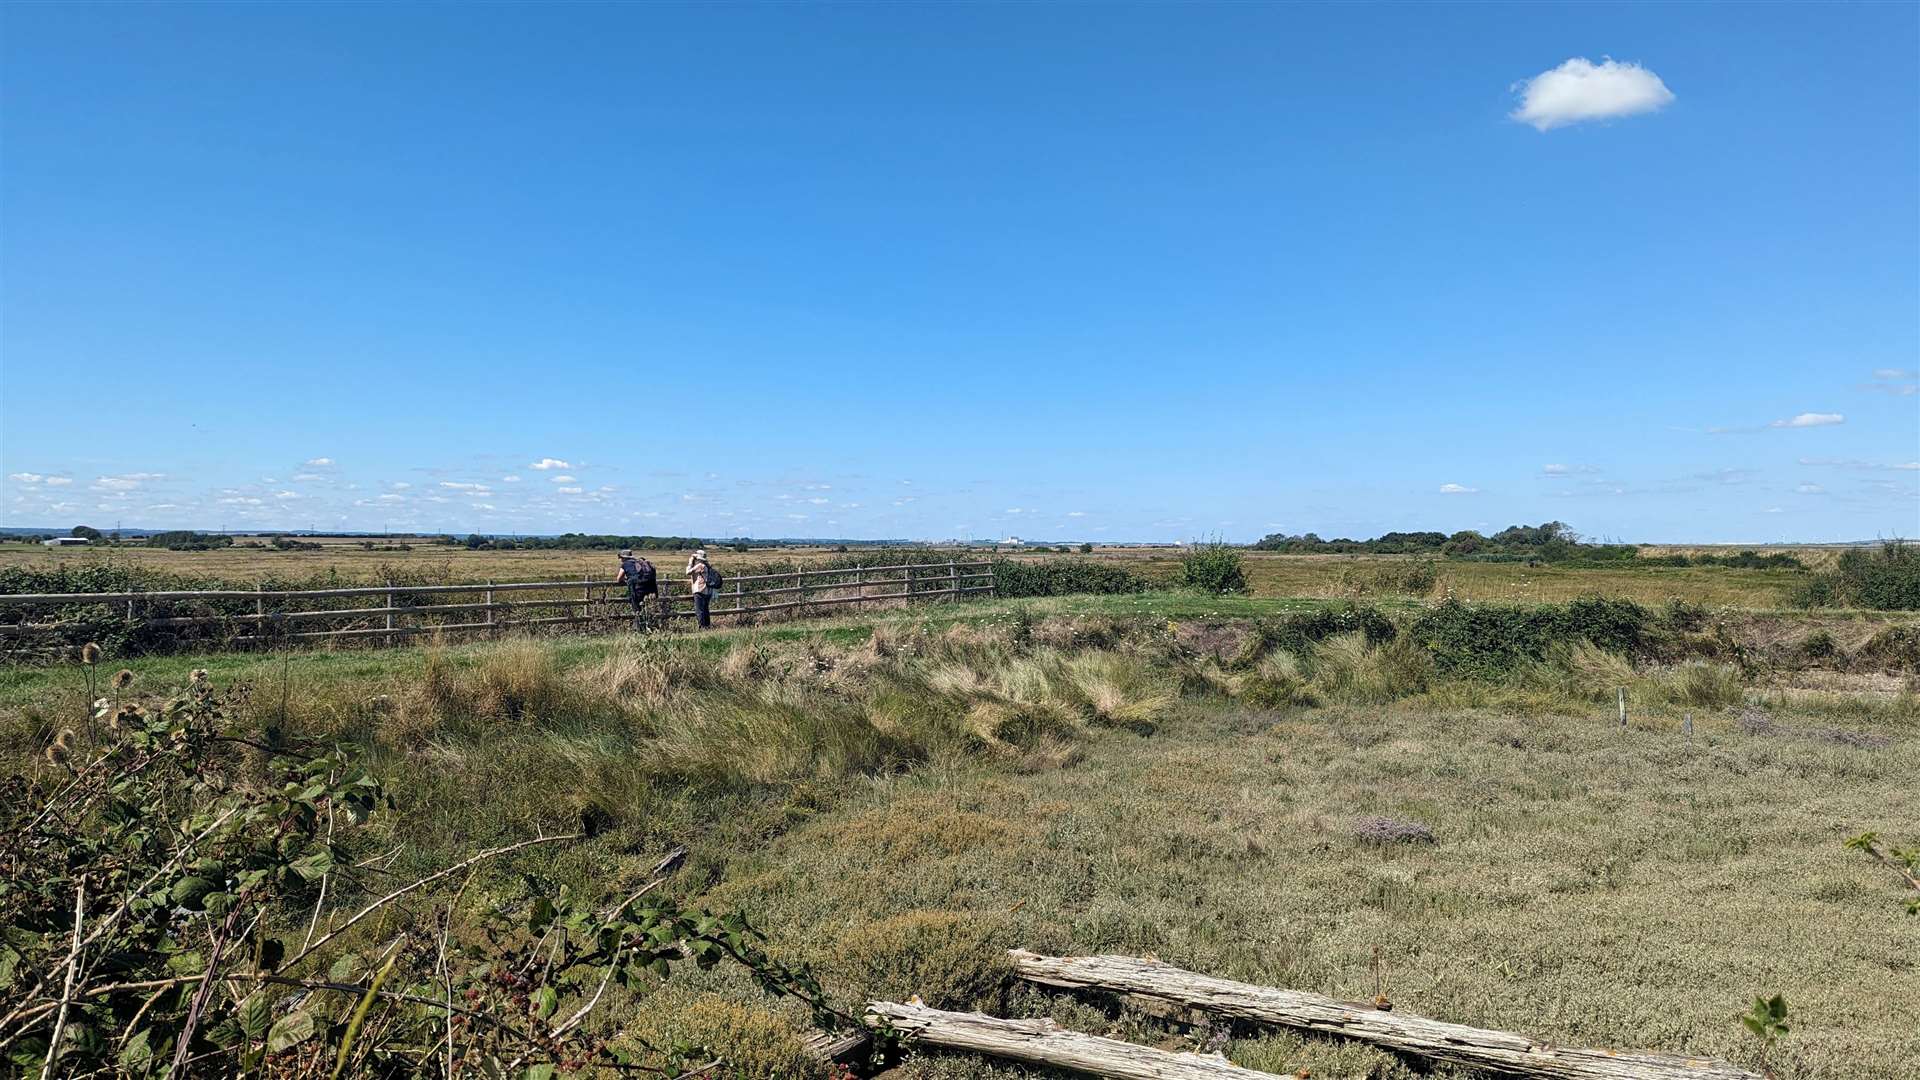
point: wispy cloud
(1810, 489)
(1458, 489)
(1900, 382)
(546, 463)
(319, 463)
(1800, 420)
(1581, 90)
(1856, 463)
(1810, 419)
(563, 479)
(459, 485)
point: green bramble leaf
(290, 1030)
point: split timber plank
(1043, 1042)
(1502, 1053)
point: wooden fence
(32, 623)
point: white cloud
(115, 483)
(1554, 470)
(1895, 373)
(1772, 510)
(319, 463)
(819, 502)
(286, 494)
(483, 506)
(1848, 463)
(304, 478)
(59, 481)
(510, 479)
(458, 485)
(569, 490)
(1810, 419)
(546, 463)
(400, 485)
(240, 500)
(1581, 90)
(563, 479)
(390, 499)
(1076, 513)
(26, 477)
(1458, 489)
(1810, 489)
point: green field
(1269, 575)
(899, 798)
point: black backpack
(713, 579)
(646, 571)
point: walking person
(703, 580)
(642, 581)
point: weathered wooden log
(1043, 1042)
(1502, 1053)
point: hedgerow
(1493, 639)
(1062, 577)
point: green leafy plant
(1904, 862)
(1767, 1020)
(154, 894)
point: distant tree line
(1550, 542)
(582, 542)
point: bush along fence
(44, 624)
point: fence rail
(374, 613)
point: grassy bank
(1192, 777)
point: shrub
(1298, 634)
(1492, 639)
(1214, 568)
(1897, 648)
(1062, 577)
(1885, 578)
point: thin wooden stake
(1623, 707)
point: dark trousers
(700, 601)
(638, 599)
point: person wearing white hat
(700, 580)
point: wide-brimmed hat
(700, 553)
(626, 553)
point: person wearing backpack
(704, 581)
(642, 581)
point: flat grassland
(899, 797)
(1269, 575)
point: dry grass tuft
(951, 959)
(1386, 830)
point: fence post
(859, 585)
(388, 636)
(586, 600)
(906, 582)
(953, 578)
(1623, 708)
(489, 630)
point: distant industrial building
(66, 541)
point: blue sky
(1146, 272)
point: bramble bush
(1062, 577)
(1886, 578)
(153, 897)
(1492, 639)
